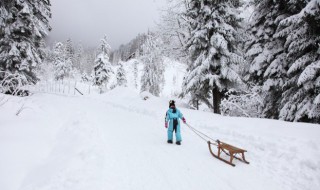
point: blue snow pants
(171, 130)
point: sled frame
(229, 150)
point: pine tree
(266, 53)
(70, 52)
(23, 25)
(103, 69)
(121, 75)
(149, 80)
(62, 65)
(301, 97)
(213, 50)
(153, 77)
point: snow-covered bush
(113, 86)
(85, 77)
(13, 83)
(245, 104)
(145, 95)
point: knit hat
(171, 103)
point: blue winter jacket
(170, 116)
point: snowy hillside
(118, 141)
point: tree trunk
(216, 98)
(197, 102)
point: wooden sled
(229, 150)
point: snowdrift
(118, 141)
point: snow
(173, 75)
(246, 10)
(117, 140)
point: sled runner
(229, 150)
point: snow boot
(178, 142)
(169, 141)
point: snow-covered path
(118, 141)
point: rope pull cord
(203, 136)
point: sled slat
(229, 150)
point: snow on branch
(242, 104)
(300, 63)
(309, 73)
(13, 83)
(317, 99)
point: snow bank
(117, 140)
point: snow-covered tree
(149, 80)
(173, 29)
(213, 51)
(62, 66)
(70, 52)
(121, 75)
(301, 97)
(153, 77)
(23, 25)
(102, 68)
(105, 48)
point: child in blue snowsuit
(172, 116)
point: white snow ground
(118, 141)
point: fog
(87, 21)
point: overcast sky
(88, 20)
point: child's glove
(184, 120)
(166, 125)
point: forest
(256, 58)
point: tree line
(267, 66)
